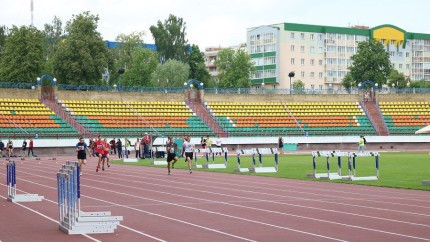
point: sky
(213, 23)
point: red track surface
(218, 207)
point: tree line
(76, 54)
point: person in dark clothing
(119, 147)
(30, 148)
(112, 146)
(1, 148)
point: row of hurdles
(72, 220)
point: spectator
(24, 147)
(112, 146)
(119, 147)
(147, 142)
(30, 148)
(361, 144)
(218, 144)
(281, 145)
(1, 148)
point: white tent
(425, 130)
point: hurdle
(213, 165)
(252, 152)
(269, 169)
(11, 187)
(425, 182)
(71, 219)
(206, 153)
(159, 162)
(352, 176)
(328, 175)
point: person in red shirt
(106, 153)
(99, 151)
(30, 148)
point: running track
(218, 207)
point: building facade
(211, 55)
(320, 55)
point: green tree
(298, 85)
(420, 84)
(170, 39)
(173, 73)
(348, 82)
(198, 69)
(371, 62)
(53, 34)
(235, 68)
(397, 78)
(22, 56)
(82, 56)
(3, 35)
(139, 70)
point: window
(320, 37)
(312, 75)
(302, 49)
(407, 54)
(302, 62)
(407, 66)
(312, 86)
(302, 74)
(292, 61)
(312, 49)
(391, 53)
(392, 42)
(311, 36)
(320, 86)
(400, 66)
(320, 62)
(320, 75)
(292, 35)
(312, 62)
(292, 48)
(302, 36)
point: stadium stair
(375, 116)
(204, 114)
(55, 107)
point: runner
(82, 149)
(106, 146)
(9, 148)
(189, 151)
(99, 151)
(171, 154)
(24, 147)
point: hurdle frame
(352, 176)
(267, 169)
(328, 175)
(213, 151)
(71, 219)
(12, 196)
(252, 152)
(159, 162)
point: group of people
(9, 148)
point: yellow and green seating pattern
(114, 118)
(405, 117)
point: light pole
(291, 75)
(120, 72)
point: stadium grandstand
(68, 113)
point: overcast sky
(220, 22)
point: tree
(348, 82)
(198, 69)
(298, 85)
(53, 34)
(82, 55)
(22, 56)
(234, 68)
(371, 62)
(420, 84)
(3, 34)
(170, 39)
(173, 73)
(142, 64)
(397, 78)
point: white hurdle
(269, 169)
(352, 176)
(252, 152)
(72, 219)
(425, 182)
(328, 175)
(11, 187)
(159, 162)
(213, 165)
(200, 151)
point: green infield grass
(396, 169)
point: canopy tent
(425, 130)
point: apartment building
(211, 55)
(320, 55)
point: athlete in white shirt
(189, 151)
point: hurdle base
(241, 169)
(321, 175)
(362, 178)
(198, 166)
(129, 160)
(425, 182)
(88, 229)
(94, 214)
(216, 166)
(159, 163)
(334, 176)
(263, 170)
(25, 198)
